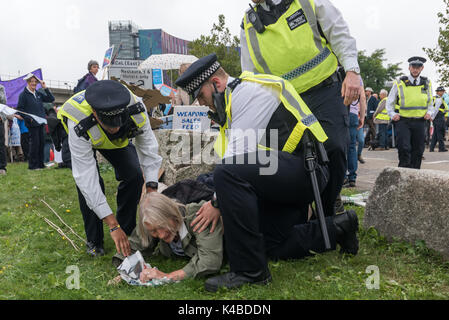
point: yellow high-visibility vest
(292, 48)
(384, 114)
(77, 109)
(413, 101)
(291, 101)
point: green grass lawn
(34, 257)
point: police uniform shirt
(334, 28)
(438, 103)
(85, 172)
(393, 96)
(253, 105)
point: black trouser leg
(404, 144)
(2, 147)
(65, 152)
(439, 131)
(93, 226)
(327, 105)
(37, 144)
(127, 170)
(242, 192)
(24, 142)
(417, 142)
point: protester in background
(89, 78)
(357, 111)
(360, 144)
(181, 98)
(2, 134)
(31, 101)
(382, 119)
(24, 139)
(371, 109)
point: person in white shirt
(303, 41)
(102, 119)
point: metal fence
(59, 84)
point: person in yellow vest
(103, 119)
(413, 95)
(303, 41)
(382, 119)
(439, 122)
(262, 186)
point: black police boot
(94, 250)
(233, 280)
(347, 225)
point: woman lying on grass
(161, 218)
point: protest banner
(14, 87)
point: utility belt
(337, 76)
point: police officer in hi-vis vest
(262, 186)
(103, 118)
(303, 41)
(439, 121)
(413, 95)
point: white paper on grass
(131, 268)
(7, 111)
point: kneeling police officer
(265, 214)
(103, 118)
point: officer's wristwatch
(152, 185)
(214, 201)
(355, 70)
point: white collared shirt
(84, 166)
(253, 105)
(334, 28)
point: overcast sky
(62, 36)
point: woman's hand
(150, 274)
(177, 275)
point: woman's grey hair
(383, 91)
(158, 210)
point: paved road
(376, 161)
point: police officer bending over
(103, 118)
(264, 213)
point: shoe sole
(212, 288)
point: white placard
(127, 70)
(192, 118)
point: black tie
(414, 83)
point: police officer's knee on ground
(264, 216)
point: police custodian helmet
(197, 74)
(110, 100)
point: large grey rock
(411, 205)
(186, 154)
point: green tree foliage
(440, 54)
(221, 42)
(373, 72)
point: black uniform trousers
(128, 172)
(327, 105)
(2, 146)
(439, 131)
(36, 147)
(411, 140)
(265, 216)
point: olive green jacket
(205, 250)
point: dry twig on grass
(60, 219)
(54, 226)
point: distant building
(126, 34)
(139, 44)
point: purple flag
(13, 88)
